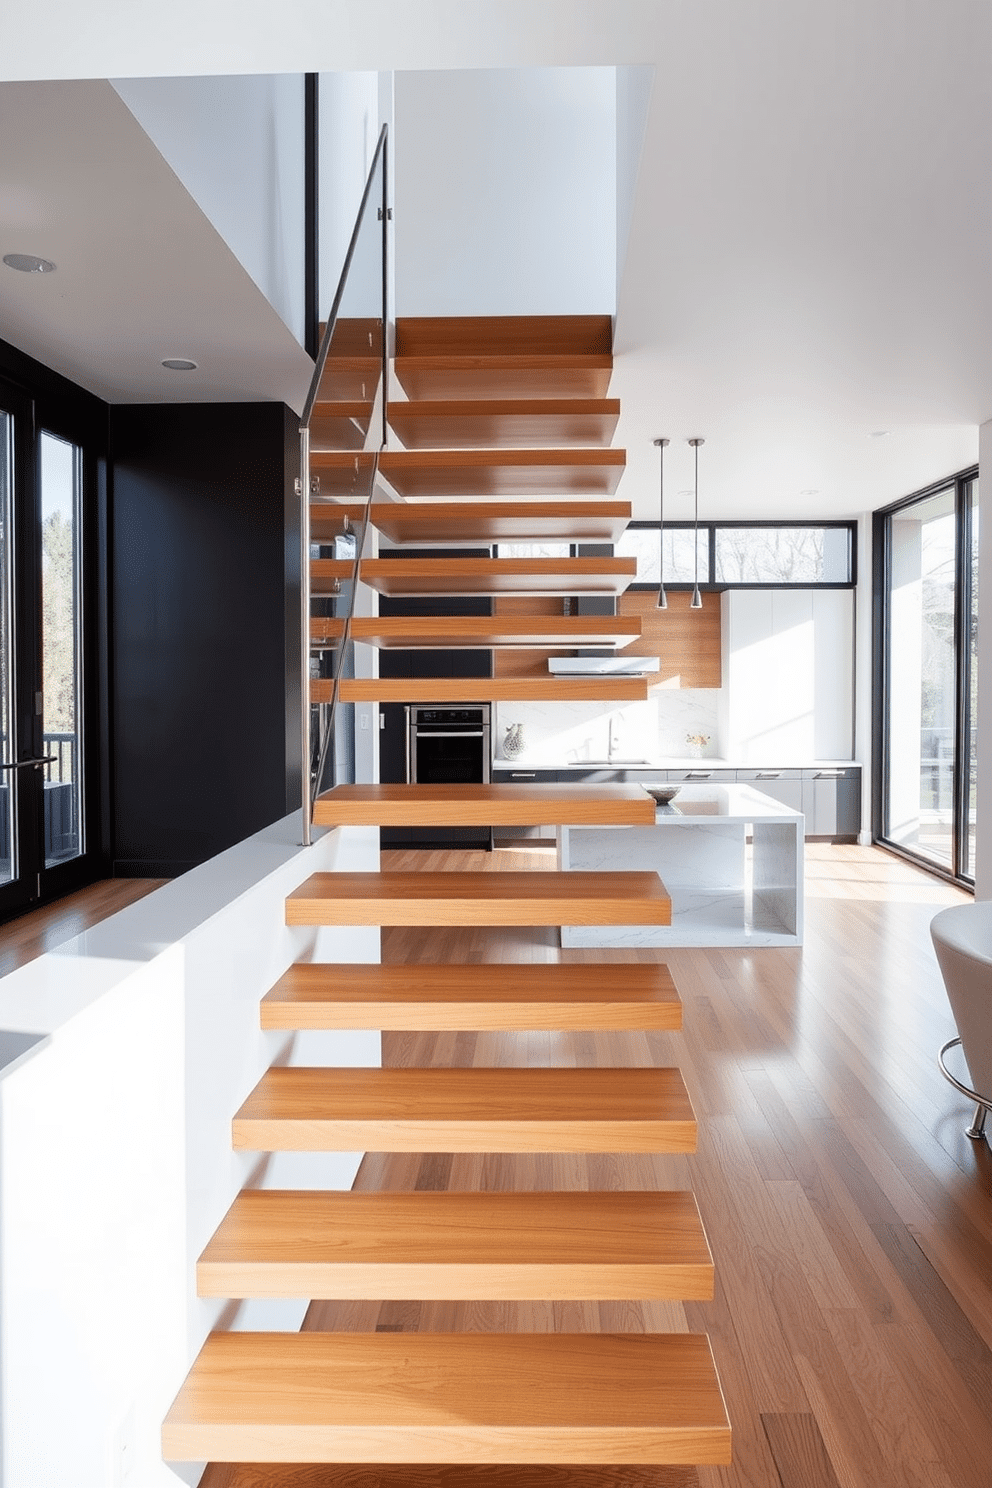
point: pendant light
(696, 602)
(662, 601)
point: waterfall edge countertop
(721, 894)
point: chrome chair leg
(976, 1131)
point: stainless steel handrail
(310, 777)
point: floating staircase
(469, 1398)
(441, 1409)
(506, 433)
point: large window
(743, 555)
(926, 662)
(47, 794)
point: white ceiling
(810, 258)
(141, 274)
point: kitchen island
(724, 891)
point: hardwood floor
(41, 930)
(849, 1216)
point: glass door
(42, 819)
(927, 665)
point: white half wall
(506, 197)
(236, 143)
(116, 1163)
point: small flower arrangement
(697, 741)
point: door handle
(30, 764)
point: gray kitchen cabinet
(782, 785)
(508, 774)
(832, 801)
(702, 774)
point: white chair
(962, 938)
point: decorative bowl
(663, 793)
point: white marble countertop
(668, 762)
(730, 803)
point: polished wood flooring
(41, 930)
(849, 1216)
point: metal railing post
(306, 803)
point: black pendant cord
(662, 601)
(696, 603)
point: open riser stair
(505, 440)
(505, 436)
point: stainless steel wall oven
(448, 746)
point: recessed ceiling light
(29, 263)
(879, 434)
(179, 364)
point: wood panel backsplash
(508, 661)
(686, 641)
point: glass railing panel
(344, 423)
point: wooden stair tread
(480, 423)
(427, 522)
(459, 1246)
(496, 335)
(429, 632)
(556, 995)
(415, 1475)
(485, 805)
(511, 376)
(459, 1397)
(403, 577)
(569, 898)
(485, 689)
(467, 1110)
(485, 472)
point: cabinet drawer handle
(523, 774)
(828, 775)
(769, 775)
(699, 775)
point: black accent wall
(202, 535)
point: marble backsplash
(569, 733)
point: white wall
(116, 1162)
(236, 143)
(634, 86)
(789, 675)
(506, 192)
(349, 128)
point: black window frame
(52, 404)
(961, 482)
(716, 586)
